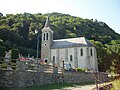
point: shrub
(4, 65)
(81, 69)
(2, 51)
(1, 42)
(13, 67)
(116, 85)
(13, 64)
(14, 53)
(24, 51)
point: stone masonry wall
(23, 78)
(9, 78)
(76, 77)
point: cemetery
(27, 74)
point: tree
(113, 42)
(114, 50)
(2, 51)
(104, 61)
(14, 54)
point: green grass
(49, 86)
(116, 85)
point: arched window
(81, 52)
(70, 57)
(91, 52)
(47, 36)
(44, 36)
(53, 58)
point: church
(78, 52)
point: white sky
(107, 11)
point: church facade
(78, 52)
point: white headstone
(7, 57)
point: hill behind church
(19, 30)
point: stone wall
(9, 78)
(24, 78)
(77, 77)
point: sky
(107, 11)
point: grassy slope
(116, 85)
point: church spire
(47, 23)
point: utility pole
(38, 35)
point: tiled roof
(70, 42)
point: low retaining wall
(9, 78)
(76, 77)
(24, 78)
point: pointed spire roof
(47, 23)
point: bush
(81, 69)
(13, 64)
(116, 85)
(13, 67)
(4, 65)
(1, 42)
(2, 51)
(31, 67)
(24, 51)
(14, 53)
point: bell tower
(47, 39)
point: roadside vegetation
(116, 85)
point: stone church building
(79, 52)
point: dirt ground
(85, 87)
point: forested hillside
(18, 31)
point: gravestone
(7, 57)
